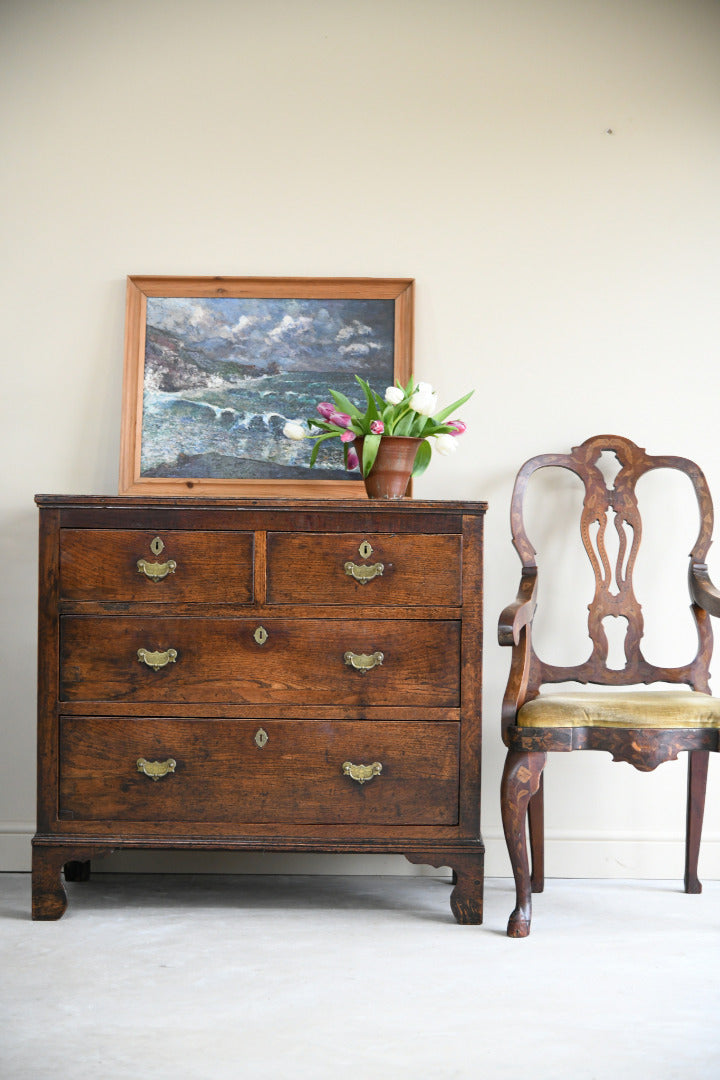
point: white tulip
(394, 395)
(424, 399)
(446, 444)
(294, 431)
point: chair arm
(520, 613)
(702, 589)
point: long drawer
(309, 661)
(134, 770)
(367, 568)
(129, 565)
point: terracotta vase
(390, 474)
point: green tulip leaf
(316, 447)
(404, 424)
(422, 458)
(371, 413)
(344, 404)
(371, 445)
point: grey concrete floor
(204, 977)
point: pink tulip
(347, 436)
(326, 409)
(341, 419)
(459, 426)
(352, 459)
(377, 427)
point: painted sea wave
(236, 430)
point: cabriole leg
(520, 781)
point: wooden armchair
(642, 727)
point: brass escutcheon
(157, 546)
(261, 738)
(363, 662)
(261, 635)
(361, 773)
(156, 769)
(156, 660)
(365, 550)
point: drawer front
(132, 565)
(368, 568)
(303, 661)
(214, 771)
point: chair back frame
(614, 594)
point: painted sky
(300, 335)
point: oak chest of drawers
(268, 675)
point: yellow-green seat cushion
(623, 709)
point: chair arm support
(702, 589)
(521, 612)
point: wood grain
(310, 568)
(102, 565)
(302, 660)
(222, 776)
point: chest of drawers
(263, 675)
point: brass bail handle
(157, 660)
(363, 662)
(156, 769)
(363, 574)
(362, 773)
(156, 571)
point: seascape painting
(222, 376)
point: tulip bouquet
(410, 411)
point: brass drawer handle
(156, 571)
(363, 574)
(156, 769)
(156, 660)
(363, 662)
(361, 773)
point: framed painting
(216, 366)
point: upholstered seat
(621, 709)
(642, 727)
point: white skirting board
(567, 855)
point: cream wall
(548, 172)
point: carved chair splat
(644, 728)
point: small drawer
(298, 771)
(368, 568)
(132, 565)
(303, 661)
